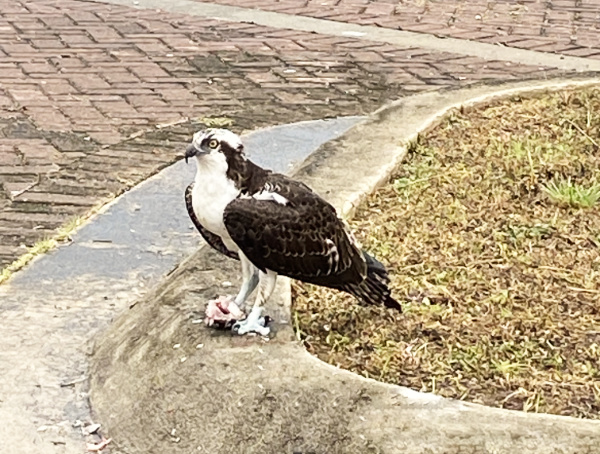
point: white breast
(212, 192)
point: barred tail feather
(374, 289)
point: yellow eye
(213, 143)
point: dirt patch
(491, 231)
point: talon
(248, 326)
(235, 327)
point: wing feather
(303, 239)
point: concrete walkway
(96, 97)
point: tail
(374, 289)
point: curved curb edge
(368, 162)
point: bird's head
(215, 142)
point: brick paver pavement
(570, 27)
(84, 85)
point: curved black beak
(190, 152)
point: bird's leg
(255, 322)
(249, 282)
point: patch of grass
(564, 191)
(491, 232)
(217, 122)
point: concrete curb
(276, 395)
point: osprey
(273, 225)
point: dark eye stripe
(207, 140)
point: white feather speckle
(271, 196)
(333, 256)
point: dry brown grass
(491, 233)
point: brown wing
(302, 239)
(213, 240)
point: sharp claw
(262, 322)
(235, 327)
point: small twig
(477, 263)
(14, 194)
(422, 180)
(584, 133)
(586, 290)
(172, 123)
(96, 447)
(563, 270)
(408, 267)
(73, 381)
(442, 288)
